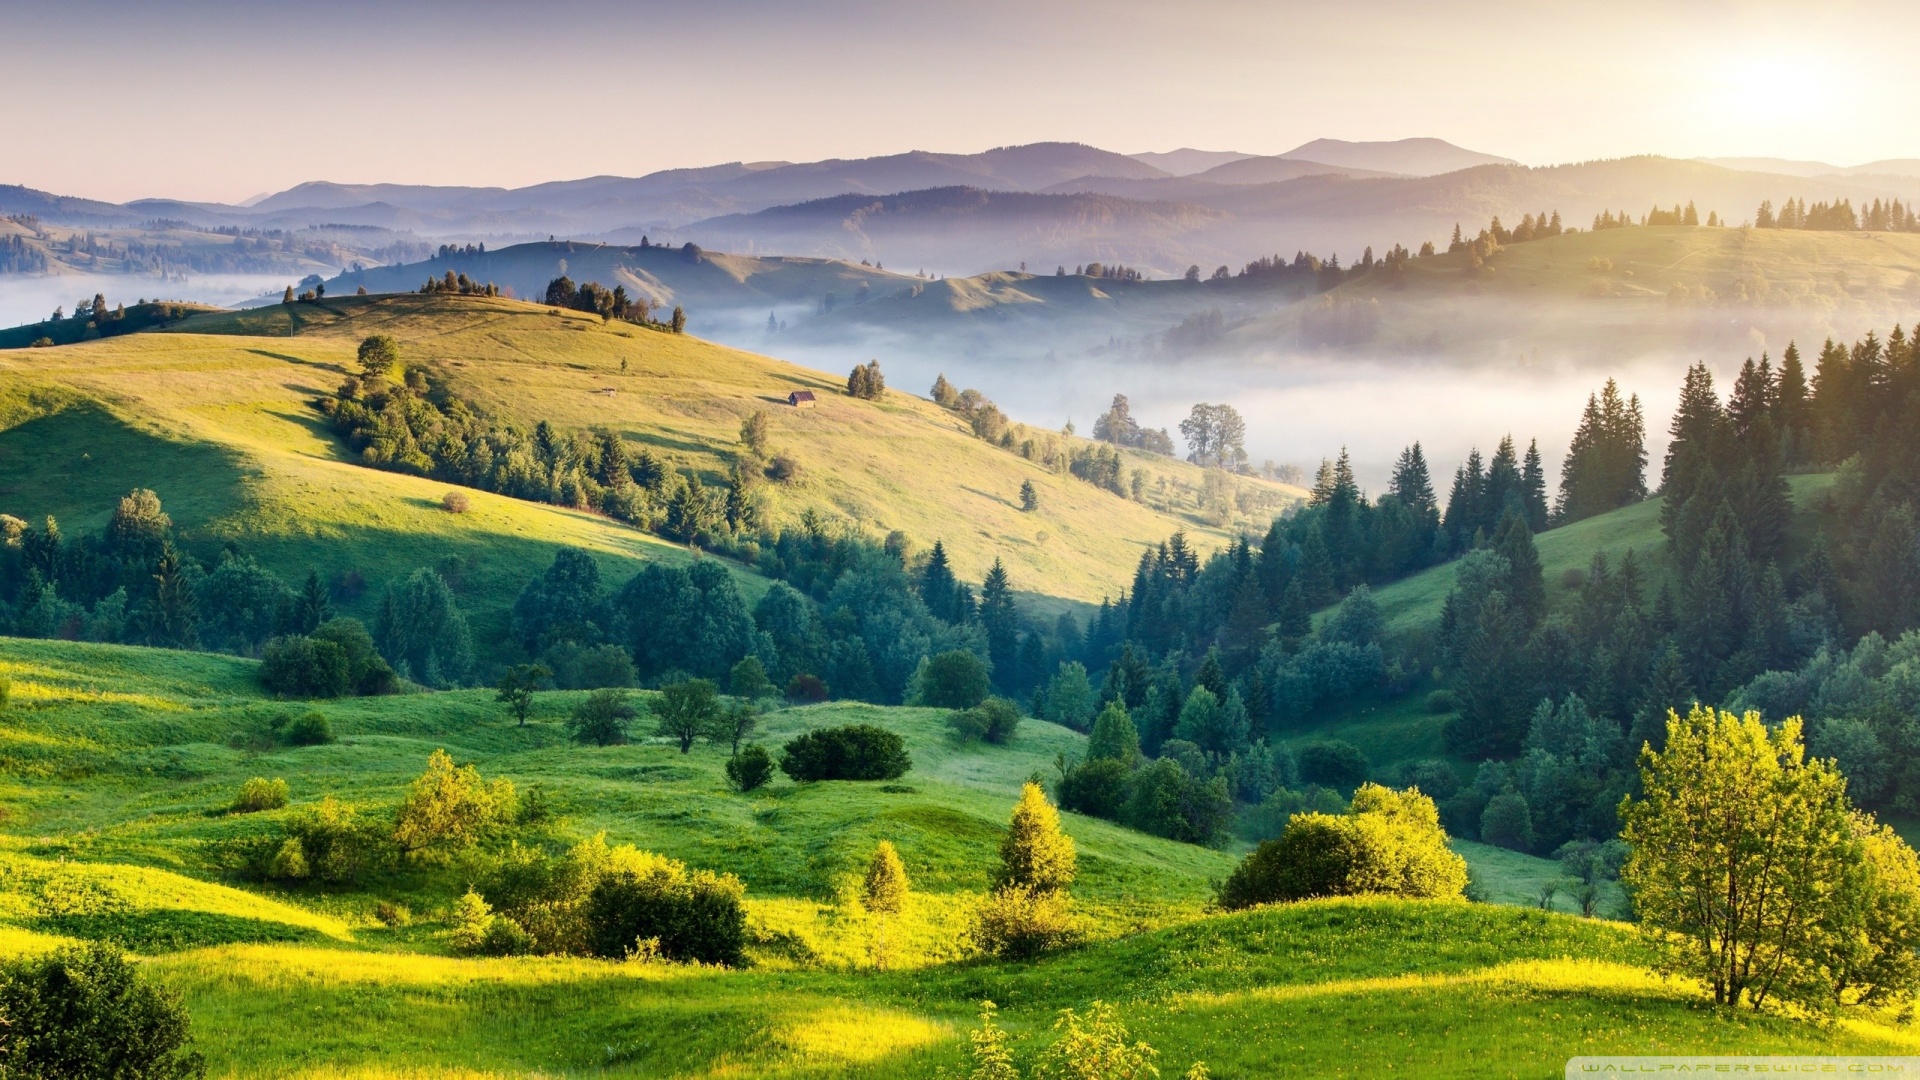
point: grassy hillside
(217, 418)
(119, 763)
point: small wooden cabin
(801, 399)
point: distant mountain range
(1043, 204)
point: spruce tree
(1212, 676)
(1526, 580)
(1029, 499)
(1792, 408)
(1533, 488)
(1503, 488)
(937, 584)
(1001, 621)
(1698, 422)
(1296, 619)
(1412, 484)
(312, 607)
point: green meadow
(121, 763)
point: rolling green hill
(1611, 295)
(701, 281)
(120, 763)
(216, 416)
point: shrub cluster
(994, 720)
(259, 794)
(853, 752)
(1388, 843)
(597, 900)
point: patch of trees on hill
(404, 426)
(609, 304)
(92, 319)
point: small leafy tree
(739, 723)
(85, 1012)
(1035, 854)
(516, 687)
(379, 355)
(992, 1052)
(1114, 736)
(450, 808)
(1095, 1046)
(750, 769)
(602, 719)
(885, 889)
(748, 679)
(1742, 850)
(955, 679)
(688, 710)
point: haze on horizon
(225, 99)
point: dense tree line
(133, 583)
(1838, 216)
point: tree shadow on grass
(76, 464)
(172, 930)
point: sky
(223, 99)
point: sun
(1754, 91)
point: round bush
(750, 769)
(1311, 857)
(259, 794)
(85, 1012)
(456, 502)
(310, 729)
(1334, 763)
(1442, 701)
(1435, 778)
(854, 752)
(995, 720)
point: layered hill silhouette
(1044, 205)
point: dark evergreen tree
(1001, 621)
(938, 585)
(1533, 487)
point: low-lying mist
(26, 299)
(1303, 405)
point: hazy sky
(221, 99)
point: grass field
(219, 422)
(119, 764)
